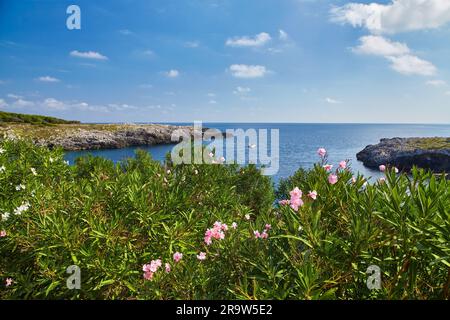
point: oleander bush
(145, 230)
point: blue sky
(228, 60)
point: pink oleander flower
(328, 167)
(148, 275)
(257, 234)
(177, 256)
(283, 202)
(216, 232)
(146, 268)
(264, 235)
(268, 226)
(2, 234)
(313, 194)
(382, 168)
(295, 203)
(296, 193)
(321, 152)
(9, 282)
(201, 256)
(152, 267)
(234, 225)
(332, 178)
(343, 164)
(167, 267)
(155, 264)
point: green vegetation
(436, 143)
(111, 220)
(30, 118)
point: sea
(298, 143)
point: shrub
(121, 222)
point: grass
(111, 220)
(436, 143)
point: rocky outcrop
(404, 153)
(94, 136)
(73, 137)
(112, 138)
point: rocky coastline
(73, 137)
(404, 153)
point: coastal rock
(119, 137)
(94, 136)
(404, 153)
(72, 137)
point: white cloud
(332, 101)
(377, 45)
(274, 50)
(282, 35)
(212, 102)
(47, 79)
(122, 107)
(192, 44)
(211, 94)
(241, 90)
(148, 53)
(172, 73)
(400, 56)
(3, 103)
(408, 65)
(54, 104)
(125, 32)
(153, 107)
(245, 41)
(396, 16)
(247, 71)
(21, 103)
(14, 96)
(88, 55)
(436, 83)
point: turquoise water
(299, 142)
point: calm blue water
(299, 142)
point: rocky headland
(93, 136)
(404, 153)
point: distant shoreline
(73, 137)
